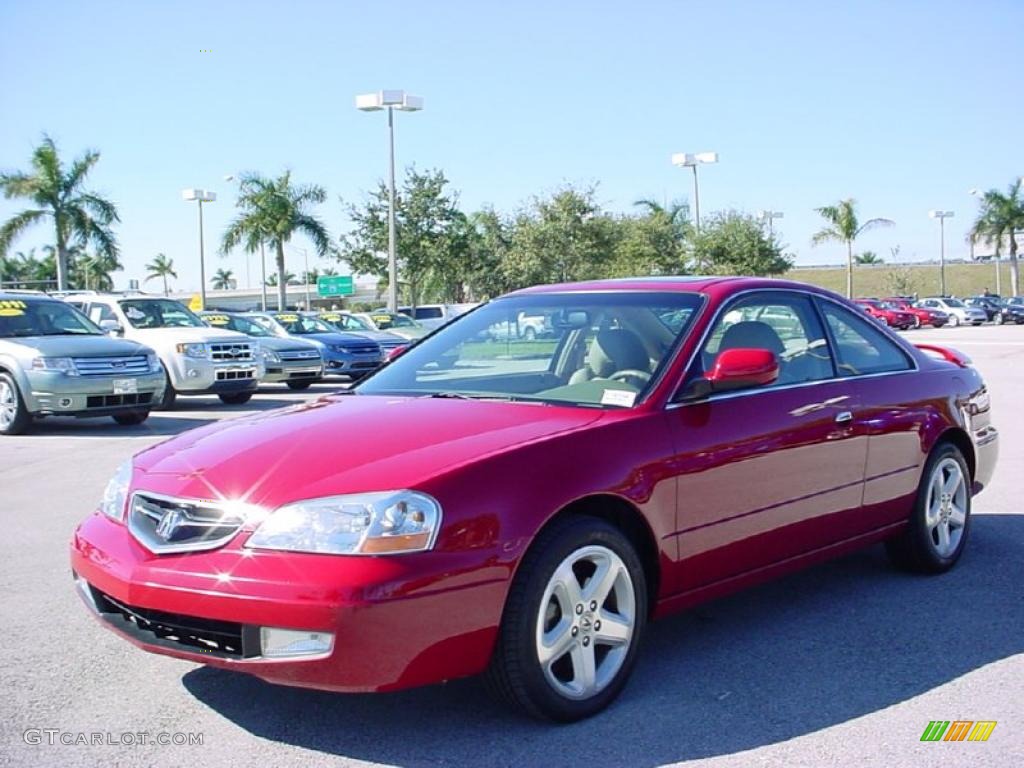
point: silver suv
(53, 361)
(198, 359)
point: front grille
(290, 355)
(304, 375)
(113, 401)
(233, 375)
(230, 352)
(163, 524)
(111, 366)
(364, 366)
(226, 639)
(362, 349)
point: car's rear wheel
(917, 321)
(573, 621)
(998, 319)
(299, 384)
(130, 418)
(235, 398)
(937, 530)
(14, 416)
(954, 320)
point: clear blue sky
(901, 104)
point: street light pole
(941, 216)
(404, 102)
(770, 217)
(685, 160)
(263, 277)
(200, 196)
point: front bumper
(397, 621)
(343, 364)
(200, 376)
(288, 370)
(55, 394)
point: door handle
(844, 417)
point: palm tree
(78, 217)
(844, 227)
(274, 281)
(867, 258)
(161, 267)
(1000, 217)
(224, 280)
(272, 211)
(95, 271)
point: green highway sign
(335, 285)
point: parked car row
(123, 355)
(903, 313)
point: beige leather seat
(613, 349)
(794, 367)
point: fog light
(65, 402)
(291, 643)
(192, 373)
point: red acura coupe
(888, 314)
(923, 315)
(524, 508)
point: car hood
(389, 443)
(341, 337)
(80, 346)
(286, 343)
(188, 334)
(383, 337)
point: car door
(766, 473)
(891, 412)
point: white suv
(197, 359)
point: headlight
(271, 356)
(389, 522)
(115, 495)
(63, 365)
(191, 350)
(153, 361)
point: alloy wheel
(586, 622)
(946, 510)
(8, 405)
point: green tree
(433, 238)
(842, 225)
(561, 238)
(274, 281)
(223, 280)
(735, 243)
(77, 216)
(1000, 217)
(273, 211)
(867, 258)
(92, 271)
(161, 267)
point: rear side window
(861, 347)
(428, 313)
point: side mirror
(736, 369)
(112, 327)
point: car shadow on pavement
(810, 651)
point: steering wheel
(631, 373)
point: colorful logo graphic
(958, 730)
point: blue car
(345, 354)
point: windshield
(300, 325)
(953, 302)
(385, 320)
(43, 318)
(592, 349)
(237, 323)
(159, 313)
(346, 322)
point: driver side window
(785, 324)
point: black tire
(515, 674)
(130, 418)
(917, 548)
(999, 319)
(170, 395)
(235, 398)
(299, 385)
(20, 418)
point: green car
(54, 361)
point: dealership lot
(849, 661)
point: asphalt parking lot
(842, 664)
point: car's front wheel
(299, 384)
(130, 418)
(998, 319)
(573, 621)
(14, 416)
(937, 530)
(954, 320)
(235, 398)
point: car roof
(681, 283)
(17, 296)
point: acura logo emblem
(169, 523)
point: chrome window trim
(674, 403)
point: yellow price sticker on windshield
(331, 317)
(11, 312)
(217, 319)
(12, 304)
(381, 318)
(288, 318)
